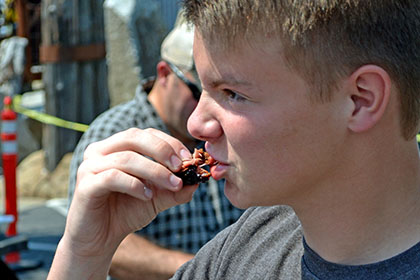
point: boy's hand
(122, 184)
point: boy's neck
(368, 216)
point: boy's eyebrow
(228, 80)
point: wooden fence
(75, 73)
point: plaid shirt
(185, 227)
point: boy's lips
(219, 170)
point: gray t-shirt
(265, 243)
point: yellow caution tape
(45, 118)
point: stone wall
(34, 180)
(134, 31)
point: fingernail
(175, 161)
(148, 193)
(185, 154)
(175, 181)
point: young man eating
(310, 104)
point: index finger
(166, 150)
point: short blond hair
(324, 40)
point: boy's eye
(233, 95)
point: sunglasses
(195, 90)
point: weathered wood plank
(72, 87)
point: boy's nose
(203, 124)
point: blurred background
(70, 60)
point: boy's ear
(370, 92)
(162, 71)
